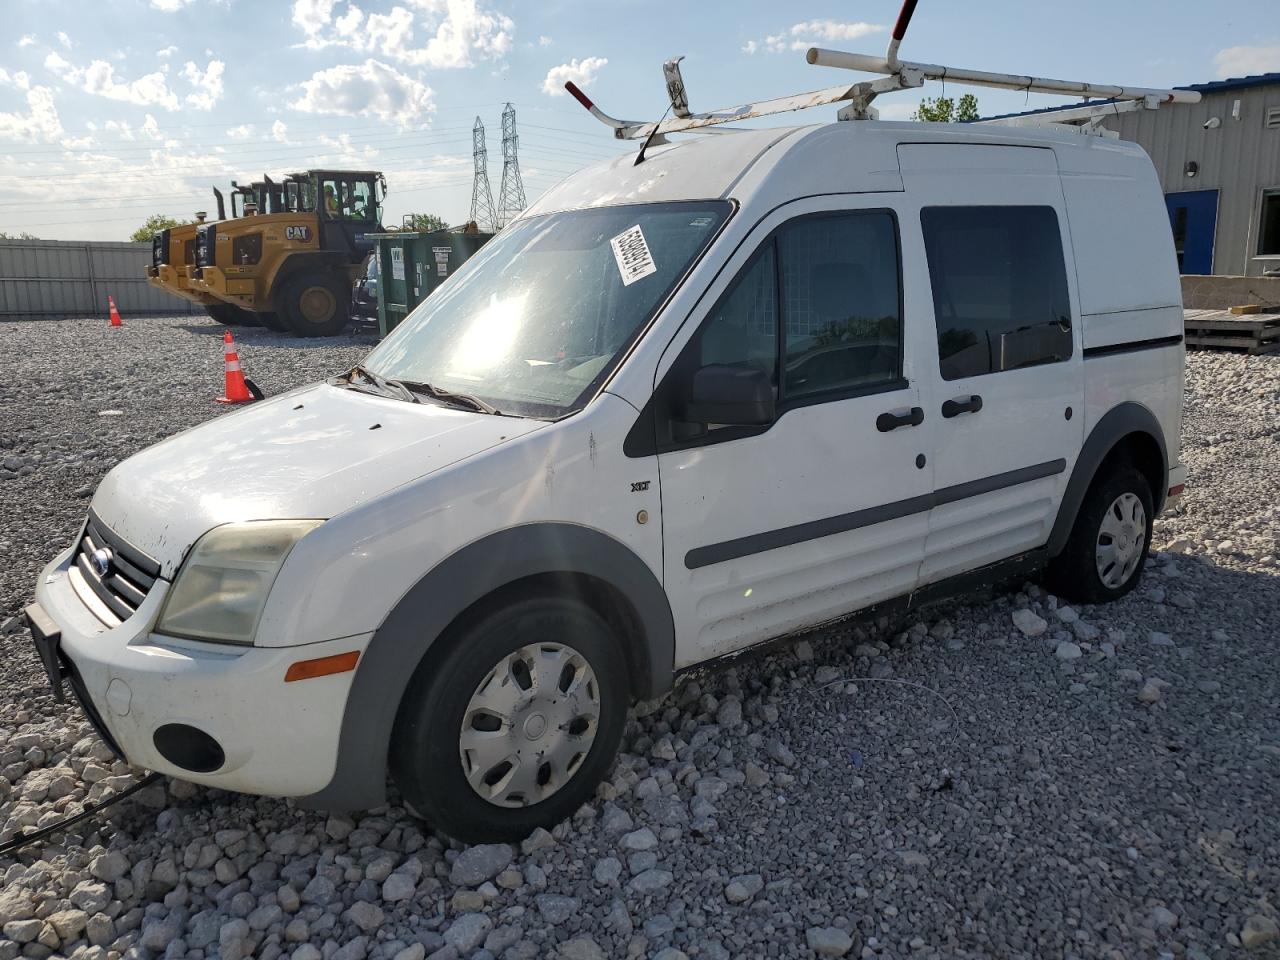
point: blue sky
(114, 109)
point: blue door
(1194, 218)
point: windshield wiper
(382, 383)
(450, 397)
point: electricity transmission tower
(481, 195)
(511, 197)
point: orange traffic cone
(237, 391)
(115, 314)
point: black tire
(426, 755)
(230, 315)
(1074, 574)
(272, 321)
(314, 303)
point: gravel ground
(1003, 778)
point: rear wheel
(315, 304)
(272, 321)
(1109, 543)
(516, 724)
(230, 315)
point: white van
(756, 383)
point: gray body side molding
(423, 614)
(1118, 423)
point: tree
(20, 235)
(945, 110)
(155, 223)
(425, 223)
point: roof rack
(896, 75)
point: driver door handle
(953, 408)
(892, 421)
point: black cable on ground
(21, 840)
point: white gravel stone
(1029, 623)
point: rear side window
(999, 288)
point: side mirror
(739, 396)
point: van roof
(736, 164)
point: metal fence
(53, 279)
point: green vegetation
(155, 223)
(945, 109)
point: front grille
(129, 578)
(205, 238)
(160, 248)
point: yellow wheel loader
(295, 253)
(173, 258)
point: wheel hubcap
(529, 725)
(317, 304)
(1121, 539)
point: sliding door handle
(953, 408)
(892, 421)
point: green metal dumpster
(412, 265)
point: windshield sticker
(632, 253)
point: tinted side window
(841, 316)
(999, 288)
(742, 330)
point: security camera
(1213, 123)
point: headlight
(223, 585)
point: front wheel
(315, 304)
(1108, 546)
(513, 727)
(231, 315)
(272, 321)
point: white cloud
(120, 127)
(164, 53)
(1247, 61)
(582, 72)
(169, 6)
(39, 123)
(208, 84)
(544, 41)
(55, 62)
(64, 39)
(240, 132)
(312, 17)
(280, 132)
(801, 36)
(440, 34)
(99, 78)
(370, 88)
(151, 128)
(28, 40)
(21, 79)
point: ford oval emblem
(101, 561)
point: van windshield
(541, 315)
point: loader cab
(349, 203)
(299, 193)
(246, 198)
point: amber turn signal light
(322, 667)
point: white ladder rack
(896, 75)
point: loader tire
(273, 321)
(315, 304)
(231, 315)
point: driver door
(772, 528)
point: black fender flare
(1119, 422)
(451, 587)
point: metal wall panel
(52, 279)
(1240, 159)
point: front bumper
(175, 280)
(212, 282)
(277, 738)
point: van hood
(312, 453)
